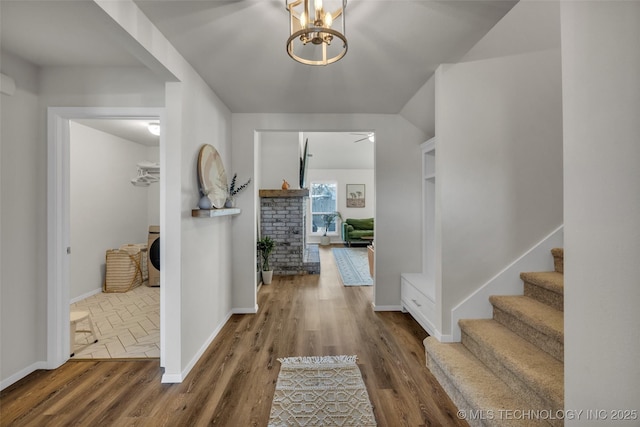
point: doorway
(334, 160)
(59, 217)
(114, 165)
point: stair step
(484, 397)
(533, 374)
(536, 322)
(546, 287)
(558, 259)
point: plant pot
(230, 203)
(267, 276)
(325, 240)
(205, 203)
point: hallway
(233, 383)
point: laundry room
(114, 218)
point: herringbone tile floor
(127, 325)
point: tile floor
(127, 325)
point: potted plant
(265, 246)
(231, 197)
(328, 219)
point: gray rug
(353, 265)
(320, 391)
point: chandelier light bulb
(328, 20)
(318, 4)
(303, 20)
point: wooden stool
(75, 318)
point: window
(324, 200)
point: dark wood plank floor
(234, 382)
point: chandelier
(317, 35)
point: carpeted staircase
(509, 370)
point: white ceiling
(339, 150)
(238, 47)
(131, 130)
(61, 33)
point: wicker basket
(133, 249)
(123, 271)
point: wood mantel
(304, 192)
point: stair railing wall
(506, 282)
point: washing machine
(153, 252)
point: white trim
(21, 374)
(432, 330)
(7, 85)
(242, 310)
(58, 226)
(507, 281)
(178, 378)
(387, 307)
(86, 295)
(57, 238)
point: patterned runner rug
(353, 265)
(320, 391)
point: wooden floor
(234, 382)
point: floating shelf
(210, 213)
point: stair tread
(557, 252)
(534, 313)
(479, 386)
(550, 280)
(540, 371)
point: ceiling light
(154, 128)
(313, 27)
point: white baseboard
(506, 282)
(171, 378)
(443, 338)
(386, 307)
(21, 374)
(242, 310)
(87, 295)
(433, 331)
(178, 378)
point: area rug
(320, 391)
(353, 265)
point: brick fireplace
(283, 218)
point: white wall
(106, 210)
(397, 154)
(530, 26)
(196, 283)
(601, 93)
(280, 160)
(420, 110)
(153, 191)
(343, 177)
(499, 159)
(24, 192)
(22, 224)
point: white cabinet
(428, 208)
(418, 290)
(418, 298)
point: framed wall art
(355, 196)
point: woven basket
(123, 271)
(133, 249)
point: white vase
(325, 240)
(267, 276)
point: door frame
(58, 218)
